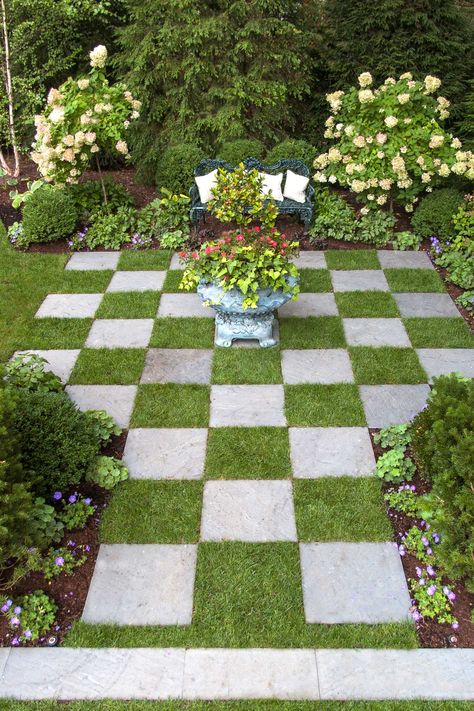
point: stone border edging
(219, 674)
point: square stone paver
(404, 260)
(142, 585)
(176, 263)
(120, 333)
(310, 260)
(375, 332)
(386, 405)
(93, 261)
(310, 305)
(182, 305)
(256, 511)
(69, 306)
(166, 453)
(60, 362)
(137, 281)
(353, 583)
(442, 361)
(426, 305)
(331, 365)
(359, 280)
(117, 400)
(330, 451)
(247, 406)
(180, 365)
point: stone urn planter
(233, 322)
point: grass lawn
(366, 304)
(172, 332)
(386, 365)
(414, 280)
(155, 259)
(248, 453)
(108, 366)
(315, 280)
(352, 259)
(235, 366)
(133, 304)
(439, 332)
(312, 332)
(171, 405)
(111, 705)
(336, 405)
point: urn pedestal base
(236, 327)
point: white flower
(57, 115)
(79, 138)
(136, 104)
(381, 138)
(459, 168)
(359, 141)
(328, 133)
(122, 147)
(357, 186)
(411, 84)
(365, 79)
(332, 179)
(85, 120)
(426, 178)
(420, 160)
(409, 207)
(443, 102)
(366, 96)
(320, 177)
(329, 123)
(398, 164)
(385, 183)
(54, 97)
(128, 95)
(349, 130)
(407, 120)
(389, 80)
(83, 84)
(68, 140)
(68, 155)
(339, 126)
(436, 140)
(381, 200)
(126, 124)
(370, 197)
(89, 137)
(359, 167)
(403, 149)
(108, 107)
(364, 210)
(456, 143)
(350, 168)
(98, 56)
(390, 121)
(135, 115)
(334, 155)
(403, 98)
(461, 155)
(369, 139)
(431, 83)
(321, 161)
(406, 75)
(95, 148)
(443, 114)
(98, 108)
(444, 170)
(380, 154)
(334, 100)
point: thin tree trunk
(104, 192)
(9, 90)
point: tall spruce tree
(213, 70)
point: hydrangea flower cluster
(389, 143)
(81, 117)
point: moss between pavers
(336, 405)
(247, 366)
(414, 280)
(108, 366)
(312, 332)
(439, 332)
(188, 332)
(386, 365)
(144, 261)
(129, 304)
(366, 304)
(248, 453)
(171, 405)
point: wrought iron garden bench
(304, 210)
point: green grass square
(171, 405)
(172, 282)
(352, 259)
(416, 280)
(57, 333)
(129, 304)
(189, 332)
(385, 365)
(153, 512)
(312, 332)
(84, 282)
(248, 453)
(335, 405)
(340, 509)
(246, 366)
(108, 366)
(315, 280)
(439, 332)
(148, 260)
(366, 304)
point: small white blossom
(365, 79)
(403, 98)
(431, 84)
(366, 96)
(436, 141)
(381, 200)
(456, 143)
(359, 141)
(98, 56)
(406, 75)
(122, 147)
(83, 84)
(364, 211)
(391, 121)
(381, 138)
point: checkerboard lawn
(285, 429)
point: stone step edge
(66, 673)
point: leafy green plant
(27, 370)
(403, 499)
(334, 217)
(234, 152)
(393, 436)
(107, 472)
(434, 214)
(104, 424)
(291, 149)
(76, 512)
(466, 300)
(406, 240)
(31, 616)
(110, 230)
(48, 215)
(163, 216)
(175, 169)
(393, 466)
(433, 600)
(237, 197)
(18, 199)
(422, 544)
(375, 227)
(62, 560)
(46, 527)
(457, 255)
(88, 197)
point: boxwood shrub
(235, 152)
(434, 215)
(292, 148)
(48, 215)
(175, 169)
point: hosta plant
(388, 142)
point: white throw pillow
(205, 184)
(295, 186)
(272, 183)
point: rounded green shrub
(293, 148)
(434, 215)
(49, 214)
(175, 170)
(58, 442)
(235, 152)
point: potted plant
(246, 274)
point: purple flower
(401, 550)
(87, 501)
(455, 625)
(430, 570)
(421, 581)
(15, 642)
(418, 571)
(4, 608)
(15, 621)
(87, 548)
(429, 551)
(431, 590)
(71, 543)
(57, 495)
(416, 615)
(27, 634)
(436, 538)
(59, 560)
(72, 499)
(425, 541)
(413, 487)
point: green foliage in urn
(388, 141)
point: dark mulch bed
(69, 592)
(431, 633)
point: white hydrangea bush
(389, 142)
(82, 117)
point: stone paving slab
(310, 305)
(426, 305)
(175, 262)
(167, 453)
(117, 400)
(120, 333)
(386, 405)
(137, 281)
(252, 511)
(60, 362)
(353, 583)
(404, 260)
(311, 260)
(247, 406)
(93, 261)
(324, 365)
(359, 280)
(178, 365)
(442, 361)
(149, 584)
(330, 451)
(183, 305)
(375, 332)
(69, 306)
